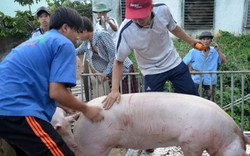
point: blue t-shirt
(199, 62)
(28, 69)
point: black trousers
(31, 136)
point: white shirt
(154, 49)
(37, 32)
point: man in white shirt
(146, 31)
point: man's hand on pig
(112, 97)
(93, 114)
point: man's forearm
(179, 32)
(65, 98)
(112, 25)
(117, 75)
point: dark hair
(65, 15)
(87, 24)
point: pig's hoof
(150, 150)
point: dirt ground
(118, 152)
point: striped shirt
(102, 60)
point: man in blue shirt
(206, 60)
(34, 76)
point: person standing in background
(43, 17)
(100, 51)
(104, 22)
(206, 60)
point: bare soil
(118, 152)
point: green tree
(83, 7)
(26, 2)
(18, 27)
(24, 23)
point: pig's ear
(73, 117)
(57, 126)
(76, 116)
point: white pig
(62, 125)
(151, 120)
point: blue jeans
(178, 76)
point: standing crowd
(37, 74)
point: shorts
(31, 136)
(178, 76)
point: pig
(152, 120)
(62, 125)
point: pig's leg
(232, 151)
(93, 150)
(191, 151)
(229, 153)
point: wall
(229, 15)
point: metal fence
(232, 91)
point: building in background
(196, 16)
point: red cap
(138, 8)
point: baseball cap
(41, 10)
(138, 8)
(206, 34)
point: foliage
(84, 8)
(18, 27)
(26, 2)
(24, 23)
